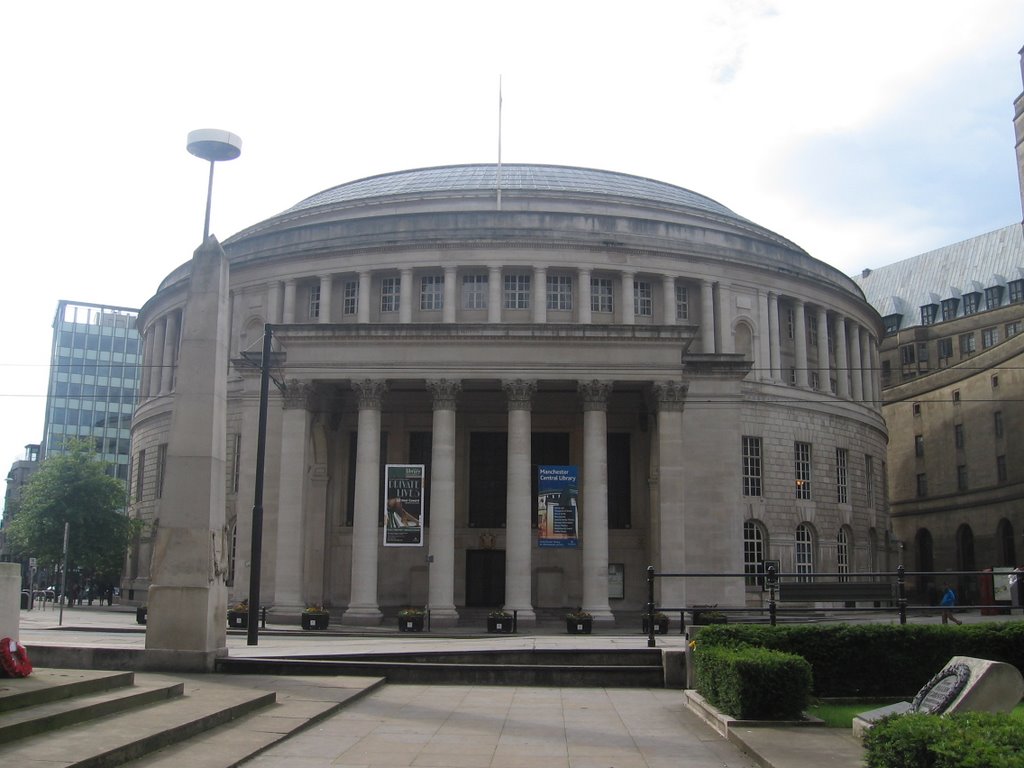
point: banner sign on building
(403, 505)
(557, 511)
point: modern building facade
(17, 478)
(711, 384)
(94, 380)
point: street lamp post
(213, 145)
(256, 548)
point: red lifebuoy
(14, 658)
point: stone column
(540, 295)
(170, 354)
(800, 341)
(824, 369)
(856, 364)
(363, 608)
(441, 600)
(186, 629)
(325, 298)
(775, 335)
(875, 373)
(494, 293)
(274, 302)
(707, 317)
(723, 321)
(451, 296)
(668, 292)
(519, 504)
(288, 316)
(628, 304)
(865, 362)
(595, 500)
(290, 560)
(585, 311)
(363, 299)
(669, 397)
(148, 364)
(158, 354)
(842, 362)
(405, 296)
(764, 353)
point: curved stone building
(711, 383)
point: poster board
(403, 505)
(557, 507)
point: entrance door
(485, 578)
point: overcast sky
(866, 132)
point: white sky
(866, 132)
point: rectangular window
(161, 469)
(350, 297)
(560, 293)
(390, 290)
(234, 462)
(949, 308)
(945, 348)
(314, 302)
(995, 381)
(891, 323)
(958, 435)
(956, 396)
(474, 291)
(802, 469)
(967, 344)
(919, 445)
(1015, 289)
(989, 337)
(869, 480)
(972, 302)
(1001, 469)
(922, 354)
(790, 323)
(997, 423)
(993, 297)
(929, 313)
(751, 466)
(812, 330)
(907, 354)
(922, 485)
(1012, 329)
(620, 485)
(961, 477)
(682, 303)
(815, 381)
(917, 409)
(140, 474)
(517, 291)
(643, 299)
(601, 294)
(842, 487)
(432, 293)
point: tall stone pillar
(494, 293)
(800, 342)
(585, 312)
(707, 317)
(451, 296)
(856, 364)
(170, 354)
(824, 369)
(148, 365)
(668, 300)
(362, 607)
(763, 362)
(363, 298)
(405, 296)
(876, 374)
(291, 523)
(441, 593)
(186, 629)
(519, 504)
(326, 286)
(158, 355)
(628, 304)
(866, 363)
(670, 397)
(274, 302)
(288, 315)
(842, 361)
(595, 500)
(540, 295)
(774, 340)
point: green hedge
(970, 740)
(875, 660)
(753, 683)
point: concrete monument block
(10, 599)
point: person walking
(947, 603)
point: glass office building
(94, 380)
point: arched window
(754, 549)
(744, 340)
(843, 539)
(1005, 548)
(804, 555)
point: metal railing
(773, 583)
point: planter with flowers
(499, 621)
(315, 617)
(238, 615)
(661, 622)
(410, 620)
(578, 622)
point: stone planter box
(315, 620)
(140, 614)
(238, 619)
(410, 623)
(660, 626)
(579, 626)
(500, 625)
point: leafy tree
(74, 488)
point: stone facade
(714, 384)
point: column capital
(670, 395)
(370, 393)
(445, 393)
(595, 394)
(296, 394)
(520, 394)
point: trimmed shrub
(970, 740)
(753, 683)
